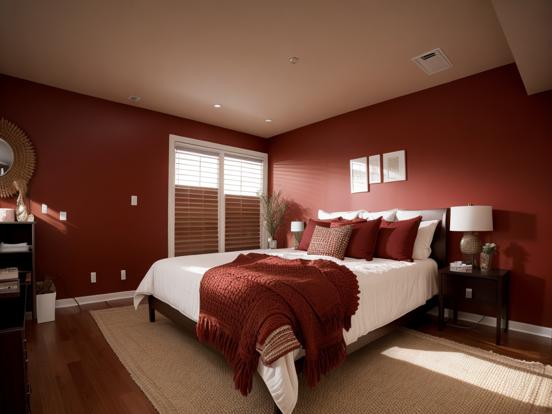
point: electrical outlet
(469, 293)
(44, 209)
(92, 277)
(123, 274)
(63, 216)
(133, 200)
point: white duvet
(388, 290)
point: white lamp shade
(297, 226)
(471, 218)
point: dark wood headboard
(439, 244)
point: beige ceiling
(181, 57)
(527, 26)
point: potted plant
(273, 209)
(486, 256)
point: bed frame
(438, 253)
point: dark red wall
(480, 139)
(92, 155)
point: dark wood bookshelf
(16, 232)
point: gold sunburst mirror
(17, 157)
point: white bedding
(388, 290)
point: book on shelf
(9, 286)
(14, 247)
(9, 273)
(461, 267)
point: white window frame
(197, 144)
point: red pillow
(363, 238)
(396, 239)
(307, 234)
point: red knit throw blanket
(243, 302)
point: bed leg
(276, 409)
(151, 308)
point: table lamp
(471, 219)
(297, 228)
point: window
(214, 203)
(243, 182)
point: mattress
(388, 290)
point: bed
(390, 291)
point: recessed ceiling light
(293, 60)
(217, 106)
(134, 98)
(268, 121)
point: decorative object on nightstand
(486, 256)
(484, 293)
(273, 209)
(471, 219)
(297, 228)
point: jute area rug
(405, 372)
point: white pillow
(387, 215)
(422, 244)
(347, 215)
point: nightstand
(484, 293)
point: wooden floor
(73, 370)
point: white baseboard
(490, 321)
(65, 303)
(83, 300)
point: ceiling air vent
(433, 61)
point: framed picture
(394, 166)
(374, 169)
(359, 175)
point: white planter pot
(46, 307)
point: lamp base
(296, 238)
(470, 246)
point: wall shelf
(16, 232)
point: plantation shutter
(243, 183)
(196, 202)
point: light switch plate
(63, 215)
(123, 274)
(44, 209)
(92, 277)
(469, 293)
(133, 200)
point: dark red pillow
(307, 234)
(396, 239)
(363, 237)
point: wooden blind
(243, 217)
(196, 203)
(243, 182)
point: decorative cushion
(387, 215)
(330, 242)
(364, 236)
(307, 234)
(328, 215)
(396, 239)
(422, 244)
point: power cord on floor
(471, 326)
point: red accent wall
(480, 139)
(92, 156)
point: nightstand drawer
(483, 290)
